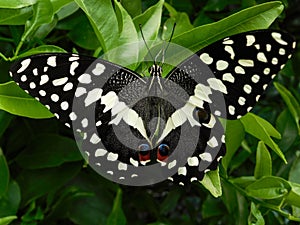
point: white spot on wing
(95, 139)
(250, 40)
(51, 61)
(73, 67)
(44, 79)
(93, 96)
(206, 157)
(217, 84)
(24, 64)
(54, 97)
(228, 77)
(80, 91)
(239, 70)
(247, 88)
(222, 65)
(277, 37)
(206, 58)
(213, 142)
(60, 81)
(99, 69)
(112, 156)
(100, 152)
(261, 57)
(193, 161)
(85, 78)
(182, 171)
(246, 62)
(64, 105)
(229, 49)
(122, 166)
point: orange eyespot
(163, 151)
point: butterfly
(140, 130)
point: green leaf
(4, 174)
(104, 21)
(48, 150)
(294, 174)
(42, 14)
(263, 166)
(170, 202)
(16, 4)
(268, 188)
(257, 215)
(7, 220)
(211, 207)
(291, 102)
(211, 182)
(41, 49)
(15, 16)
(285, 124)
(117, 216)
(181, 19)
(125, 54)
(133, 7)
(150, 21)
(9, 203)
(294, 196)
(60, 4)
(15, 101)
(36, 183)
(235, 134)
(254, 18)
(5, 119)
(262, 130)
(86, 39)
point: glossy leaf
(41, 49)
(254, 18)
(263, 130)
(291, 102)
(259, 220)
(235, 134)
(286, 125)
(7, 220)
(9, 4)
(268, 188)
(133, 7)
(15, 101)
(36, 183)
(15, 16)
(48, 151)
(181, 19)
(9, 203)
(5, 119)
(294, 174)
(263, 166)
(211, 182)
(104, 21)
(4, 174)
(294, 196)
(117, 216)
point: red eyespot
(144, 152)
(163, 152)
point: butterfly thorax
(155, 85)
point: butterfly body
(145, 129)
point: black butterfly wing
(242, 65)
(55, 79)
(228, 80)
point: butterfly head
(155, 70)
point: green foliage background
(43, 178)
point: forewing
(242, 65)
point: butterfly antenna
(163, 53)
(143, 37)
